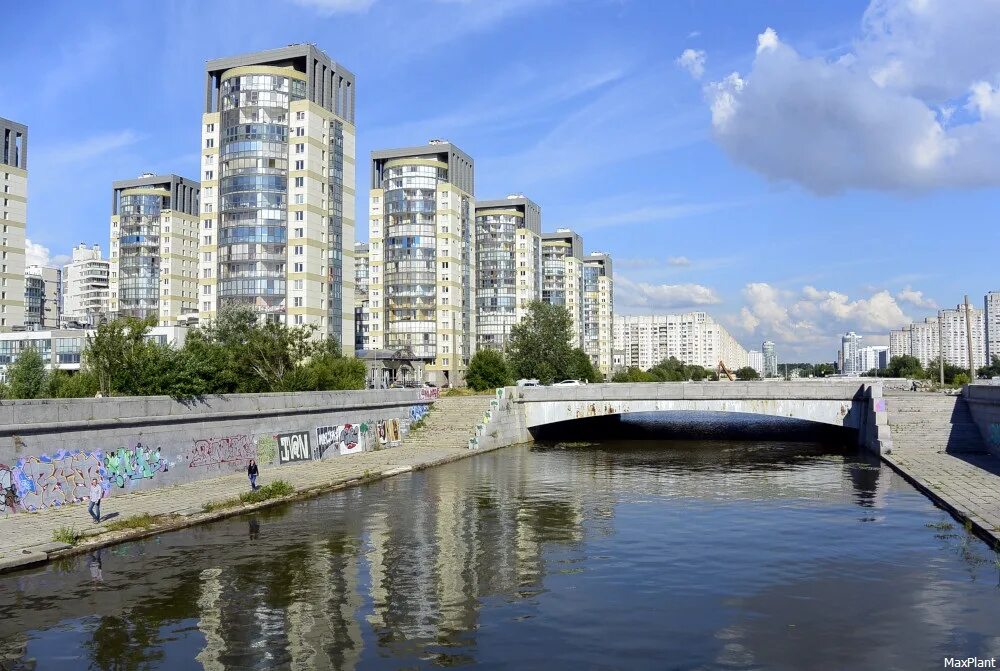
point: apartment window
(300, 165)
(206, 272)
(297, 285)
(300, 131)
(207, 224)
(207, 239)
(206, 256)
(300, 199)
(299, 267)
(297, 302)
(300, 233)
(209, 143)
(298, 250)
(210, 128)
(209, 174)
(207, 289)
(444, 264)
(300, 148)
(298, 320)
(206, 306)
(300, 115)
(300, 181)
(300, 215)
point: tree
(487, 370)
(823, 369)
(960, 379)
(633, 374)
(539, 345)
(992, 370)
(582, 368)
(933, 371)
(63, 384)
(27, 377)
(747, 373)
(905, 366)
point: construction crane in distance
(726, 371)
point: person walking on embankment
(96, 493)
(252, 474)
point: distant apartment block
(598, 311)
(850, 344)
(770, 359)
(872, 357)
(277, 200)
(562, 275)
(42, 297)
(508, 266)
(954, 336)
(154, 248)
(86, 287)
(360, 296)
(755, 359)
(991, 324)
(13, 219)
(693, 338)
(422, 258)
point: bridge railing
(804, 390)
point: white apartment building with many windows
(991, 324)
(946, 333)
(755, 359)
(154, 248)
(598, 311)
(850, 343)
(276, 230)
(508, 266)
(562, 275)
(360, 296)
(422, 258)
(693, 338)
(872, 357)
(13, 220)
(86, 287)
(770, 359)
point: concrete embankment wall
(502, 424)
(51, 449)
(984, 406)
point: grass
(942, 526)
(136, 522)
(274, 490)
(67, 535)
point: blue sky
(795, 169)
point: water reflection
(733, 554)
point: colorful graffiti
(267, 449)
(367, 435)
(138, 463)
(429, 393)
(348, 439)
(227, 452)
(56, 480)
(418, 412)
(326, 437)
(8, 492)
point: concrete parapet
(983, 401)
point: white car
(525, 382)
(567, 383)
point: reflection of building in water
(210, 620)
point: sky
(796, 170)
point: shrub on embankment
(273, 490)
(234, 354)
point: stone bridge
(847, 403)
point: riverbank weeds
(273, 490)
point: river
(618, 554)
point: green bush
(487, 370)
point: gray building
(360, 295)
(13, 220)
(770, 359)
(991, 316)
(42, 297)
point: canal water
(655, 554)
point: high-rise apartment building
(13, 219)
(562, 275)
(991, 323)
(899, 342)
(422, 257)
(508, 266)
(755, 359)
(872, 357)
(154, 248)
(277, 199)
(924, 340)
(693, 338)
(86, 287)
(850, 343)
(42, 297)
(360, 295)
(598, 310)
(770, 359)
(954, 337)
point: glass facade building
(422, 258)
(562, 274)
(277, 221)
(508, 266)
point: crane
(723, 369)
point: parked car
(526, 382)
(568, 383)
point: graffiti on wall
(326, 437)
(418, 412)
(267, 449)
(8, 492)
(62, 478)
(125, 465)
(293, 447)
(428, 393)
(224, 453)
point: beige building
(154, 248)
(360, 296)
(562, 275)
(955, 336)
(693, 338)
(598, 310)
(422, 257)
(85, 287)
(277, 199)
(508, 266)
(42, 297)
(13, 219)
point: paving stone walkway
(444, 437)
(934, 447)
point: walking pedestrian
(96, 493)
(252, 474)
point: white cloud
(692, 60)
(812, 316)
(916, 299)
(39, 255)
(647, 296)
(877, 117)
(678, 261)
(331, 7)
(64, 154)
